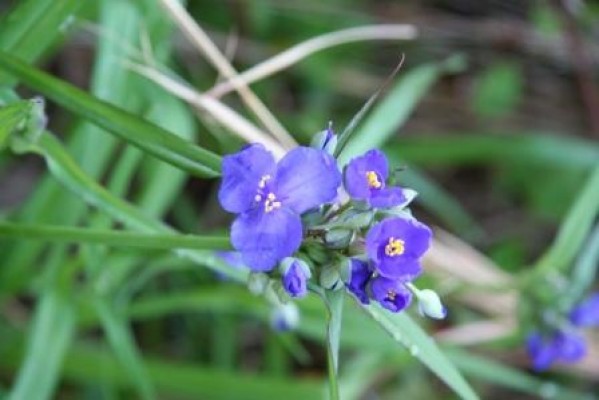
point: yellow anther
(270, 203)
(373, 180)
(395, 247)
(263, 180)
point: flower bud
(37, 120)
(325, 140)
(257, 282)
(338, 238)
(330, 278)
(285, 317)
(429, 304)
(353, 219)
(295, 276)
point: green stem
(112, 237)
(334, 303)
(333, 384)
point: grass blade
(574, 229)
(395, 108)
(141, 133)
(123, 345)
(112, 237)
(409, 334)
(52, 331)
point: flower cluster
(562, 341)
(301, 217)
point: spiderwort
(586, 314)
(564, 346)
(390, 293)
(365, 180)
(396, 245)
(359, 276)
(269, 199)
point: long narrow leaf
(141, 133)
(409, 334)
(394, 109)
(112, 237)
(52, 332)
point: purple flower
(359, 276)
(396, 246)
(562, 346)
(365, 179)
(391, 294)
(587, 312)
(295, 279)
(270, 197)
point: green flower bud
(429, 304)
(330, 278)
(257, 282)
(338, 238)
(325, 140)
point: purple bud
(295, 277)
(360, 275)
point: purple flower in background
(586, 313)
(295, 279)
(270, 197)
(365, 179)
(396, 246)
(391, 294)
(560, 346)
(360, 275)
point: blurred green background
(493, 118)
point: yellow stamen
(373, 180)
(391, 295)
(395, 247)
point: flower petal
(387, 197)
(415, 235)
(356, 182)
(570, 345)
(265, 238)
(586, 314)
(359, 276)
(390, 294)
(404, 270)
(307, 178)
(242, 173)
(541, 351)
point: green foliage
(104, 291)
(498, 90)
